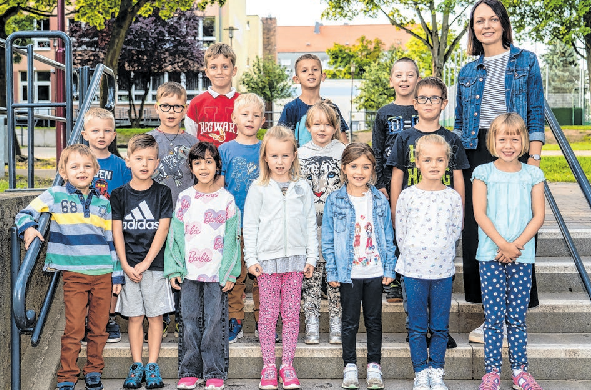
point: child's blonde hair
(171, 88)
(282, 134)
(82, 150)
(511, 124)
(352, 152)
(220, 49)
(98, 113)
(249, 99)
(325, 107)
(432, 139)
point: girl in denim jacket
(359, 266)
(280, 247)
(503, 79)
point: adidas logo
(139, 218)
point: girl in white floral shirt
(428, 224)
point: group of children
(205, 206)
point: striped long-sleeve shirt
(81, 236)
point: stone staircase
(559, 344)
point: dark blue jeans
(366, 292)
(429, 302)
(205, 335)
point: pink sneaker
(288, 377)
(214, 384)
(268, 378)
(490, 381)
(189, 382)
(524, 381)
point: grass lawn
(21, 182)
(573, 145)
(557, 170)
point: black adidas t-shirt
(141, 212)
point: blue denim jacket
(524, 94)
(338, 229)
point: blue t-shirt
(294, 115)
(240, 167)
(113, 173)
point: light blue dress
(509, 207)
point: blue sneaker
(114, 331)
(135, 377)
(153, 377)
(235, 330)
(66, 386)
(93, 381)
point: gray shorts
(151, 297)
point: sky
(300, 12)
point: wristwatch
(536, 157)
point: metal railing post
(30, 118)
(15, 334)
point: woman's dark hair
(199, 151)
(474, 46)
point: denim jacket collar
(342, 192)
(513, 53)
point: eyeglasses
(432, 99)
(178, 108)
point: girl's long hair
(282, 134)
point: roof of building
(319, 38)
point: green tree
(363, 53)
(568, 21)
(434, 17)
(561, 62)
(269, 80)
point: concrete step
(551, 357)
(398, 384)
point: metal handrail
(38, 57)
(583, 182)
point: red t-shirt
(213, 117)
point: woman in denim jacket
(503, 79)
(358, 247)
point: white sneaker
(436, 378)
(422, 381)
(350, 380)
(374, 376)
(477, 335)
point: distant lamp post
(231, 30)
(351, 112)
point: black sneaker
(114, 331)
(394, 292)
(451, 343)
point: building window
(207, 31)
(42, 43)
(42, 85)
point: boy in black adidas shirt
(142, 210)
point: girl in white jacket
(280, 247)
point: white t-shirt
(366, 260)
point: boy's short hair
(308, 56)
(98, 113)
(199, 151)
(171, 88)
(510, 123)
(220, 49)
(405, 59)
(432, 82)
(250, 99)
(82, 150)
(141, 141)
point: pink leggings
(279, 292)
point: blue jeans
(205, 335)
(429, 303)
(512, 284)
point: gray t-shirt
(173, 151)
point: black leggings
(476, 157)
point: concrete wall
(39, 364)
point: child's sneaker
(312, 330)
(214, 384)
(422, 381)
(114, 331)
(177, 328)
(287, 376)
(374, 376)
(490, 381)
(268, 378)
(235, 330)
(451, 343)
(189, 382)
(334, 337)
(477, 335)
(350, 380)
(66, 386)
(135, 377)
(93, 381)
(153, 377)
(394, 292)
(436, 379)
(524, 381)
(165, 323)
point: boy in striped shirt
(80, 245)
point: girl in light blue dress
(509, 206)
